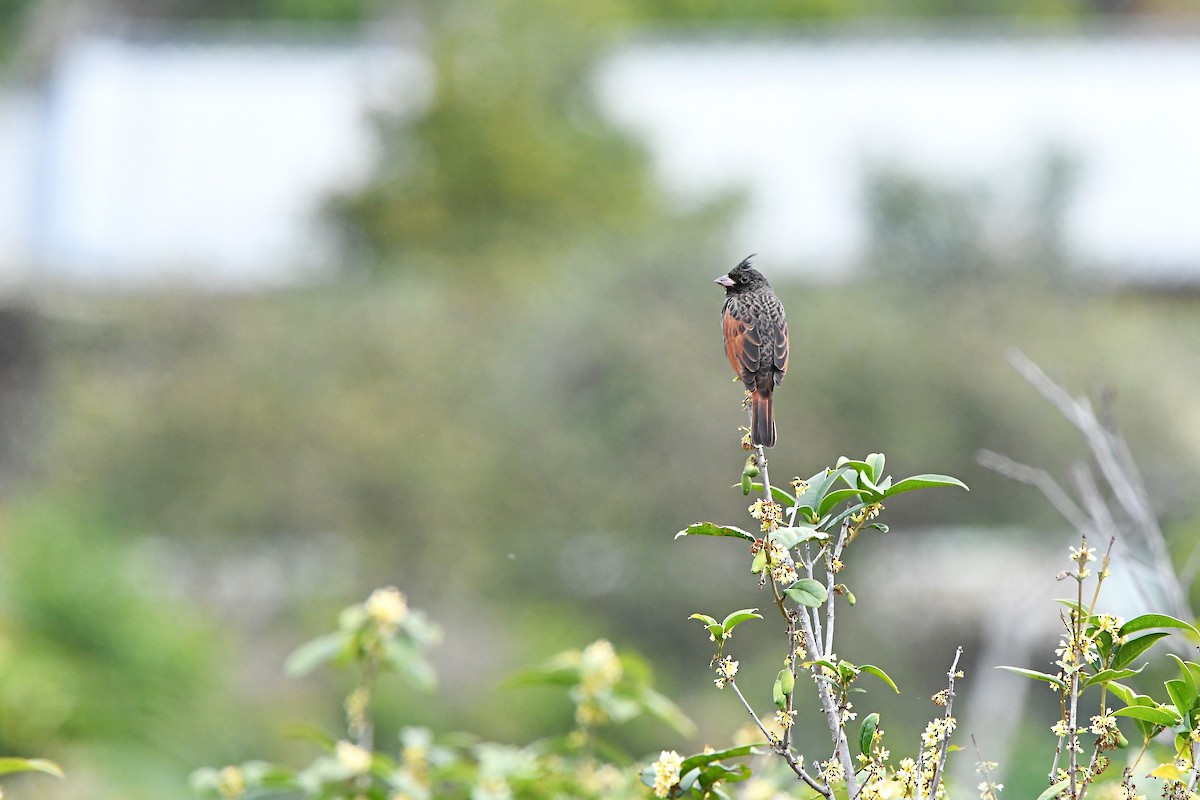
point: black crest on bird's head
(744, 276)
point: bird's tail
(762, 419)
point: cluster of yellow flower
(726, 668)
(770, 514)
(599, 670)
(666, 772)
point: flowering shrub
(798, 553)
(383, 634)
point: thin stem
(833, 719)
(831, 576)
(762, 466)
(785, 753)
(944, 746)
(1078, 648)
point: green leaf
(704, 759)
(738, 617)
(1168, 772)
(1133, 648)
(807, 592)
(835, 521)
(664, 709)
(866, 733)
(307, 732)
(871, 669)
(818, 487)
(875, 466)
(1109, 675)
(713, 529)
(406, 659)
(315, 653)
(1182, 696)
(713, 773)
(923, 482)
(1155, 621)
(715, 628)
(833, 498)
(854, 465)
(1052, 791)
(1123, 692)
(1053, 680)
(1159, 715)
(778, 495)
(1186, 674)
(789, 537)
(11, 765)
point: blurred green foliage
(508, 407)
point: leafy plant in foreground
(383, 635)
(799, 554)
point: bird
(756, 343)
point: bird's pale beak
(725, 281)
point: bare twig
(780, 748)
(1116, 464)
(944, 746)
(1093, 515)
(1039, 479)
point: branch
(1039, 479)
(945, 745)
(786, 753)
(1116, 464)
(832, 718)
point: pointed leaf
(11, 765)
(715, 629)
(855, 465)
(1055, 790)
(778, 495)
(878, 673)
(1156, 621)
(316, 652)
(664, 710)
(713, 529)
(1159, 715)
(835, 497)
(704, 759)
(1186, 674)
(1183, 698)
(807, 592)
(1053, 680)
(818, 486)
(1123, 692)
(738, 617)
(304, 731)
(1108, 675)
(1168, 772)
(923, 482)
(875, 465)
(1133, 648)
(789, 537)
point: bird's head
(741, 277)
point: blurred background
(303, 297)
